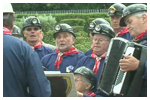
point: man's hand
(130, 63)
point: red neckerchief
(36, 47)
(6, 31)
(59, 59)
(39, 46)
(124, 31)
(91, 94)
(97, 61)
(141, 35)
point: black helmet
(105, 30)
(16, 31)
(97, 21)
(31, 21)
(63, 28)
(131, 9)
(116, 9)
(88, 74)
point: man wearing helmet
(32, 31)
(66, 55)
(102, 35)
(23, 75)
(91, 28)
(94, 23)
(135, 19)
(85, 81)
(115, 12)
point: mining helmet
(104, 29)
(63, 28)
(32, 21)
(16, 31)
(97, 21)
(131, 9)
(7, 8)
(88, 74)
(116, 9)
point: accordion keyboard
(122, 75)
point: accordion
(113, 81)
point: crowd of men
(24, 61)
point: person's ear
(74, 39)
(144, 18)
(41, 35)
(24, 33)
(88, 86)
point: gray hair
(8, 19)
(139, 14)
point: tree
(60, 6)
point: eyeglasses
(35, 28)
(99, 40)
(78, 80)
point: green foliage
(81, 34)
(19, 22)
(48, 22)
(58, 6)
(77, 28)
(74, 22)
(83, 43)
(84, 16)
(48, 37)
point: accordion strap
(144, 38)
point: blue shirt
(22, 70)
(48, 61)
(89, 52)
(42, 51)
(89, 62)
(126, 36)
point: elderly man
(85, 81)
(91, 28)
(66, 56)
(135, 19)
(23, 75)
(32, 31)
(115, 13)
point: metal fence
(63, 11)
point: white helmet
(7, 8)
